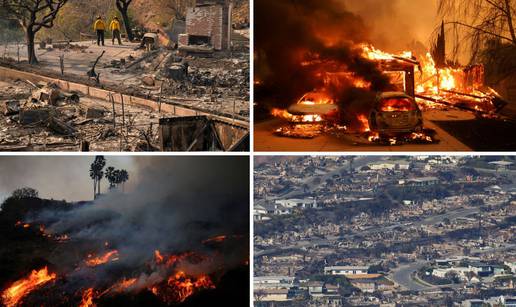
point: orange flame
(109, 256)
(158, 256)
(433, 80)
(21, 224)
(123, 285)
(13, 295)
(171, 260)
(396, 104)
(182, 286)
(296, 118)
(364, 123)
(421, 136)
(372, 53)
(373, 137)
(87, 298)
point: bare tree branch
(479, 29)
(33, 15)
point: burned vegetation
(179, 87)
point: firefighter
(115, 29)
(100, 27)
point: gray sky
(58, 177)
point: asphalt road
(403, 276)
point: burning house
(413, 86)
(208, 26)
(322, 52)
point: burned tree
(485, 30)
(123, 8)
(33, 15)
(482, 20)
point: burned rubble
(201, 70)
(212, 81)
(46, 118)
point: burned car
(395, 113)
(314, 106)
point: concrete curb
(175, 110)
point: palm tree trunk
(98, 189)
(94, 189)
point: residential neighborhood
(384, 231)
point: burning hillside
(322, 52)
(140, 248)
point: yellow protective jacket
(115, 25)
(99, 25)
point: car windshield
(396, 104)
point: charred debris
(202, 65)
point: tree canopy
(25, 192)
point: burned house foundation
(49, 114)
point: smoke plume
(290, 32)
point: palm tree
(110, 176)
(116, 176)
(124, 176)
(97, 174)
(101, 162)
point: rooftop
(346, 267)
